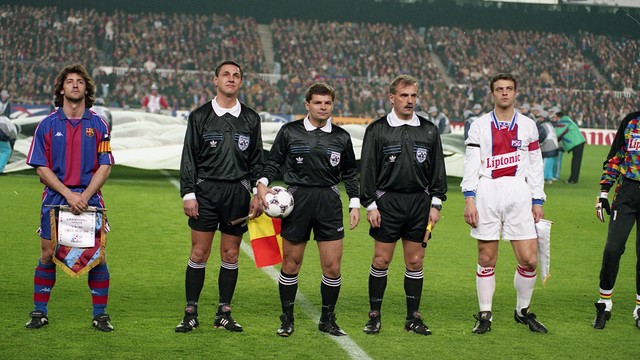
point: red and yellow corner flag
(266, 241)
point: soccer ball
(280, 204)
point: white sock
(524, 281)
(605, 298)
(486, 286)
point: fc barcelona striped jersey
(498, 148)
(72, 148)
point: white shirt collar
(219, 110)
(394, 121)
(309, 127)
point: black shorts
(317, 208)
(220, 202)
(402, 216)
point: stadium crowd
(592, 77)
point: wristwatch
(437, 207)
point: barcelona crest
(89, 132)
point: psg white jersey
(496, 149)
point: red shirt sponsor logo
(502, 161)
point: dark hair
(319, 89)
(403, 79)
(559, 114)
(229, 62)
(503, 76)
(89, 96)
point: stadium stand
(591, 76)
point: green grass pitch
(149, 246)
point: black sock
(330, 290)
(377, 286)
(227, 280)
(194, 281)
(413, 289)
(288, 287)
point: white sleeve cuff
(372, 206)
(354, 203)
(435, 201)
(263, 180)
(189, 196)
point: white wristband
(264, 181)
(604, 194)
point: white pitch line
(349, 346)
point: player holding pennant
(503, 152)
(71, 152)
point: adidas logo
(299, 160)
(392, 158)
(213, 143)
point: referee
(402, 184)
(221, 157)
(315, 155)
(622, 167)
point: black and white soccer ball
(280, 204)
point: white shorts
(504, 207)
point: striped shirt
(72, 148)
(624, 155)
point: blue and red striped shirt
(72, 148)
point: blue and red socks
(43, 281)
(99, 285)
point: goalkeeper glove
(602, 204)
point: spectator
(5, 106)
(440, 120)
(471, 117)
(101, 110)
(153, 102)
(8, 136)
(548, 145)
(572, 141)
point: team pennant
(77, 261)
(543, 228)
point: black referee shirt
(313, 158)
(404, 159)
(222, 148)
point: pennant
(79, 261)
(543, 228)
(266, 241)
